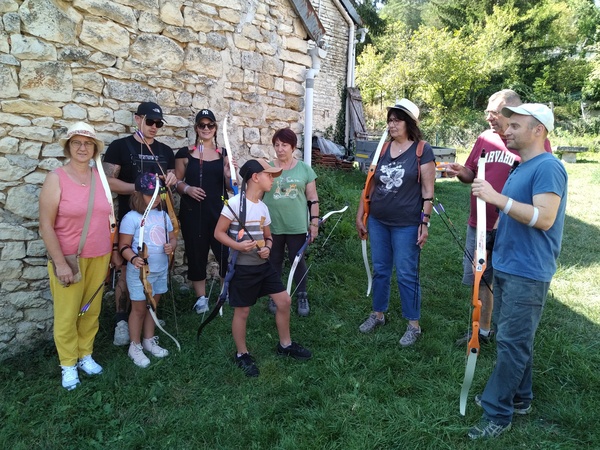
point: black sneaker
(246, 363)
(295, 350)
(485, 340)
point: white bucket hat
(408, 107)
(81, 129)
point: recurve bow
(305, 246)
(480, 265)
(233, 179)
(111, 221)
(145, 269)
(366, 200)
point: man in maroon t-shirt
(499, 162)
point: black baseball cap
(205, 114)
(150, 110)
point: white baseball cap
(539, 111)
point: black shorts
(249, 283)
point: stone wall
(63, 61)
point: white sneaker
(201, 305)
(151, 345)
(89, 366)
(70, 377)
(121, 333)
(136, 353)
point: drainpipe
(316, 54)
(350, 66)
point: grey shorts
(468, 275)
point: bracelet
(132, 258)
(508, 205)
(269, 239)
(314, 225)
(534, 219)
(125, 247)
(266, 246)
(427, 215)
(425, 223)
(314, 217)
(185, 189)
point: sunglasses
(151, 122)
(206, 126)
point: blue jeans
(518, 306)
(395, 246)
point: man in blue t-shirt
(528, 242)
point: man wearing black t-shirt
(124, 160)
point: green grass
(359, 391)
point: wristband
(534, 219)
(314, 217)
(185, 189)
(425, 223)
(508, 205)
(427, 215)
(269, 239)
(125, 247)
(132, 258)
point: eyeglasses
(89, 145)
(491, 112)
(394, 120)
(206, 126)
(151, 122)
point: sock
(483, 332)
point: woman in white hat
(401, 201)
(64, 206)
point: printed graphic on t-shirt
(286, 187)
(392, 176)
(500, 156)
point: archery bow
(230, 269)
(145, 269)
(305, 246)
(480, 264)
(366, 201)
(111, 220)
(233, 174)
(168, 194)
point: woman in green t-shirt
(287, 201)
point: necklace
(77, 178)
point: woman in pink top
(64, 201)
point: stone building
(63, 61)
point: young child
(254, 276)
(157, 225)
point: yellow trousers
(73, 335)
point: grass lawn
(359, 391)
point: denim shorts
(158, 280)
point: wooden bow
(145, 269)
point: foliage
(359, 391)
(450, 55)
